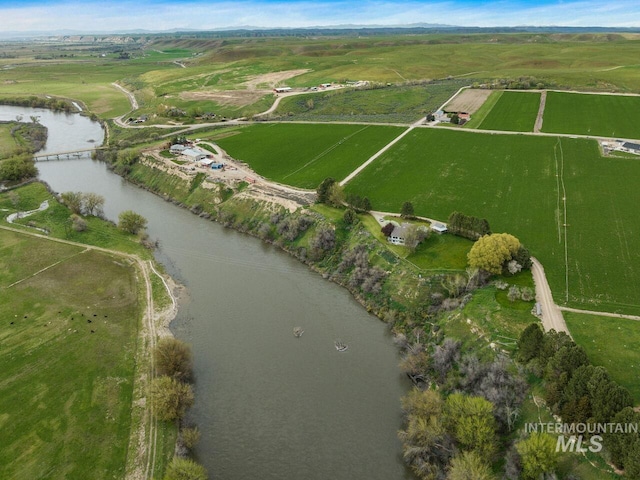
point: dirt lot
(256, 88)
(469, 100)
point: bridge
(45, 157)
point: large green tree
(131, 222)
(472, 423)
(492, 252)
(170, 398)
(185, 469)
(538, 455)
(469, 466)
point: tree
(190, 436)
(324, 189)
(336, 195)
(414, 235)
(538, 455)
(173, 358)
(131, 222)
(350, 217)
(529, 343)
(469, 466)
(407, 210)
(170, 398)
(17, 169)
(388, 229)
(323, 242)
(491, 252)
(78, 223)
(93, 204)
(471, 421)
(185, 469)
(73, 201)
(514, 293)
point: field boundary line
(328, 150)
(601, 314)
(353, 174)
(46, 268)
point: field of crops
(511, 181)
(514, 112)
(602, 115)
(304, 155)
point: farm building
(438, 227)
(177, 148)
(631, 147)
(194, 155)
(282, 89)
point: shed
(631, 147)
(438, 227)
(194, 155)
(177, 148)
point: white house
(177, 148)
(399, 234)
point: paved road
(551, 315)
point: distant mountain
(320, 30)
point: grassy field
(613, 343)
(602, 115)
(85, 71)
(304, 155)
(514, 111)
(67, 384)
(8, 144)
(511, 181)
(386, 104)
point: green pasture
(600, 115)
(67, 384)
(403, 104)
(514, 111)
(56, 220)
(8, 145)
(304, 155)
(516, 182)
(613, 343)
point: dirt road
(551, 315)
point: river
(269, 405)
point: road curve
(552, 318)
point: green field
(613, 343)
(404, 104)
(511, 181)
(514, 112)
(66, 388)
(601, 115)
(304, 155)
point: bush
(185, 469)
(173, 358)
(170, 398)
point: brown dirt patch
(272, 79)
(236, 98)
(468, 100)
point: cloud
(122, 15)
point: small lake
(269, 405)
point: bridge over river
(67, 155)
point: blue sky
(114, 15)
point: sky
(157, 15)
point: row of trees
(582, 393)
(467, 226)
(171, 395)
